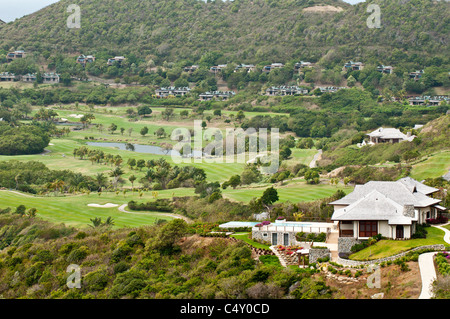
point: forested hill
(248, 31)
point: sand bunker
(78, 116)
(109, 205)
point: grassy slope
(385, 248)
(435, 166)
(294, 191)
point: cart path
(427, 269)
(316, 157)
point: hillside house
(389, 135)
(30, 77)
(11, 56)
(8, 77)
(273, 66)
(190, 69)
(353, 66)
(301, 65)
(83, 59)
(172, 91)
(116, 60)
(385, 69)
(330, 89)
(392, 209)
(248, 67)
(217, 68)
(216, 95)
(417, 75)
(429, 100)
(50, 78)
(286, 90)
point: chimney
(408, 211)
(408, 134)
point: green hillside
(240, 31)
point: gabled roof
(388, 133)
(403, 192)
(374, 206)
(422, 188)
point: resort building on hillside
(83, 59)
(50, 78)
(11, 56)
(248, 67)
(268, 68)
(429, 100)
(353, 66)
(417, 75)
(216, 95)
(385, 69)
(217, 68)
(172, 91)
(30, 77)
(389, 135)
(190, 69)
(8, 77)
(392, 209)
(116, 60)
(300, 65)
(330, 89)
(286, 90)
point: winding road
(317, 156)
(427, 269)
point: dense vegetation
(153, 30)
(22, 140)
(147, 262)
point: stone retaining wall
(348, 262)
(317, 253)
(346, 243)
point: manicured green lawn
(385, 248)
(74, 210)
(435, 166)
(295, 191)
(244, 237)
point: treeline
(34, 177)
(22, 140)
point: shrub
(96, 280)
(77, 255)
(33, 273)
(120, 267)
(128, 283)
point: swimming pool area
(238, 224)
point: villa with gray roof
(388, 135)
(217, 95)
(172, 91)
(286, 90)
(392, 209)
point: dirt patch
(395, 284)
(323, 9)
(194, 243)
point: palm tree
(96, 222)
(116, 173)
(132, 178)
